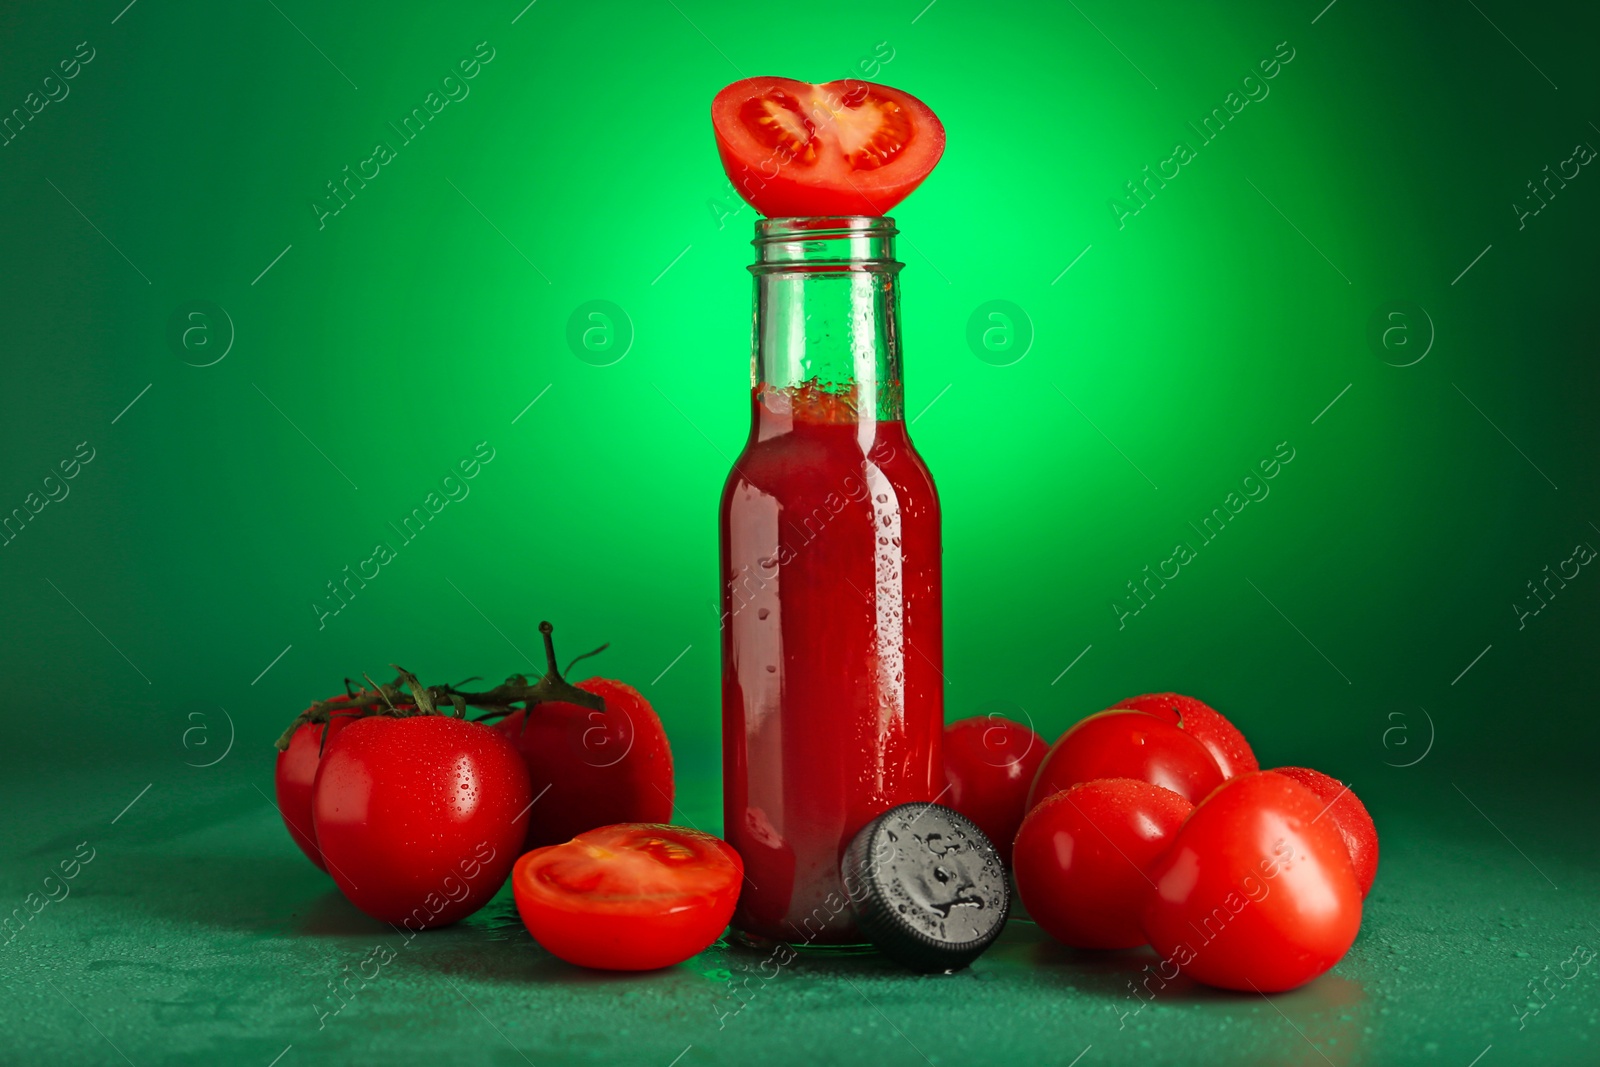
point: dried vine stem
(406, 695)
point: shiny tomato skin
(793, 149)
(632, 897)
(1081, 855)
(420, 818)
(1208, 726)
(592, 768)
(1255, 893)
(989, 764)
(294, 775)
(1128, 744)
(1349, 815)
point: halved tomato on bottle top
(844, 148)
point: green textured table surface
(198, 934)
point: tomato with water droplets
(1205, 724)
(420, 818)
(593, 768)
(296, 772)
(1256, 892)
(1080, 858)
(843, 148)
(1128, 744)
(989, 764)
(1349, 815)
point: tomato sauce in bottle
(832, 641)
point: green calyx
(407, 696)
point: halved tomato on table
(793, 149)
(629, 897)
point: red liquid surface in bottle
(832, 652)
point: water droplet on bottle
(763, 613)
(883, 498)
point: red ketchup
(832, 644)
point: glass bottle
(832, 628)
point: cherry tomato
(1081, 855)
(593, 768)
(632, 897)
(420, 818)
(1255, 893)
(844, 148)
(1128, 744)
(1349, 815)
(989, 763)
(1207, 725)
(296, 771)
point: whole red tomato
(1349, 815)
(1255, 893)
(628, 898)
(989, 763)
(593, 768)
(1081, 855)
(1128, 744)
(296, 771)
(1207, 725)
(420, 818)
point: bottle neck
(826, 343)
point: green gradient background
(1196, 338)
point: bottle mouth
(824, 244)
(823, 227)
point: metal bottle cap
(928, 887)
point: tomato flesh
(631, 897)
(420, 818)
(793, 149)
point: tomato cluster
(1148, 823)
(419, 815)
(1152, 823)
